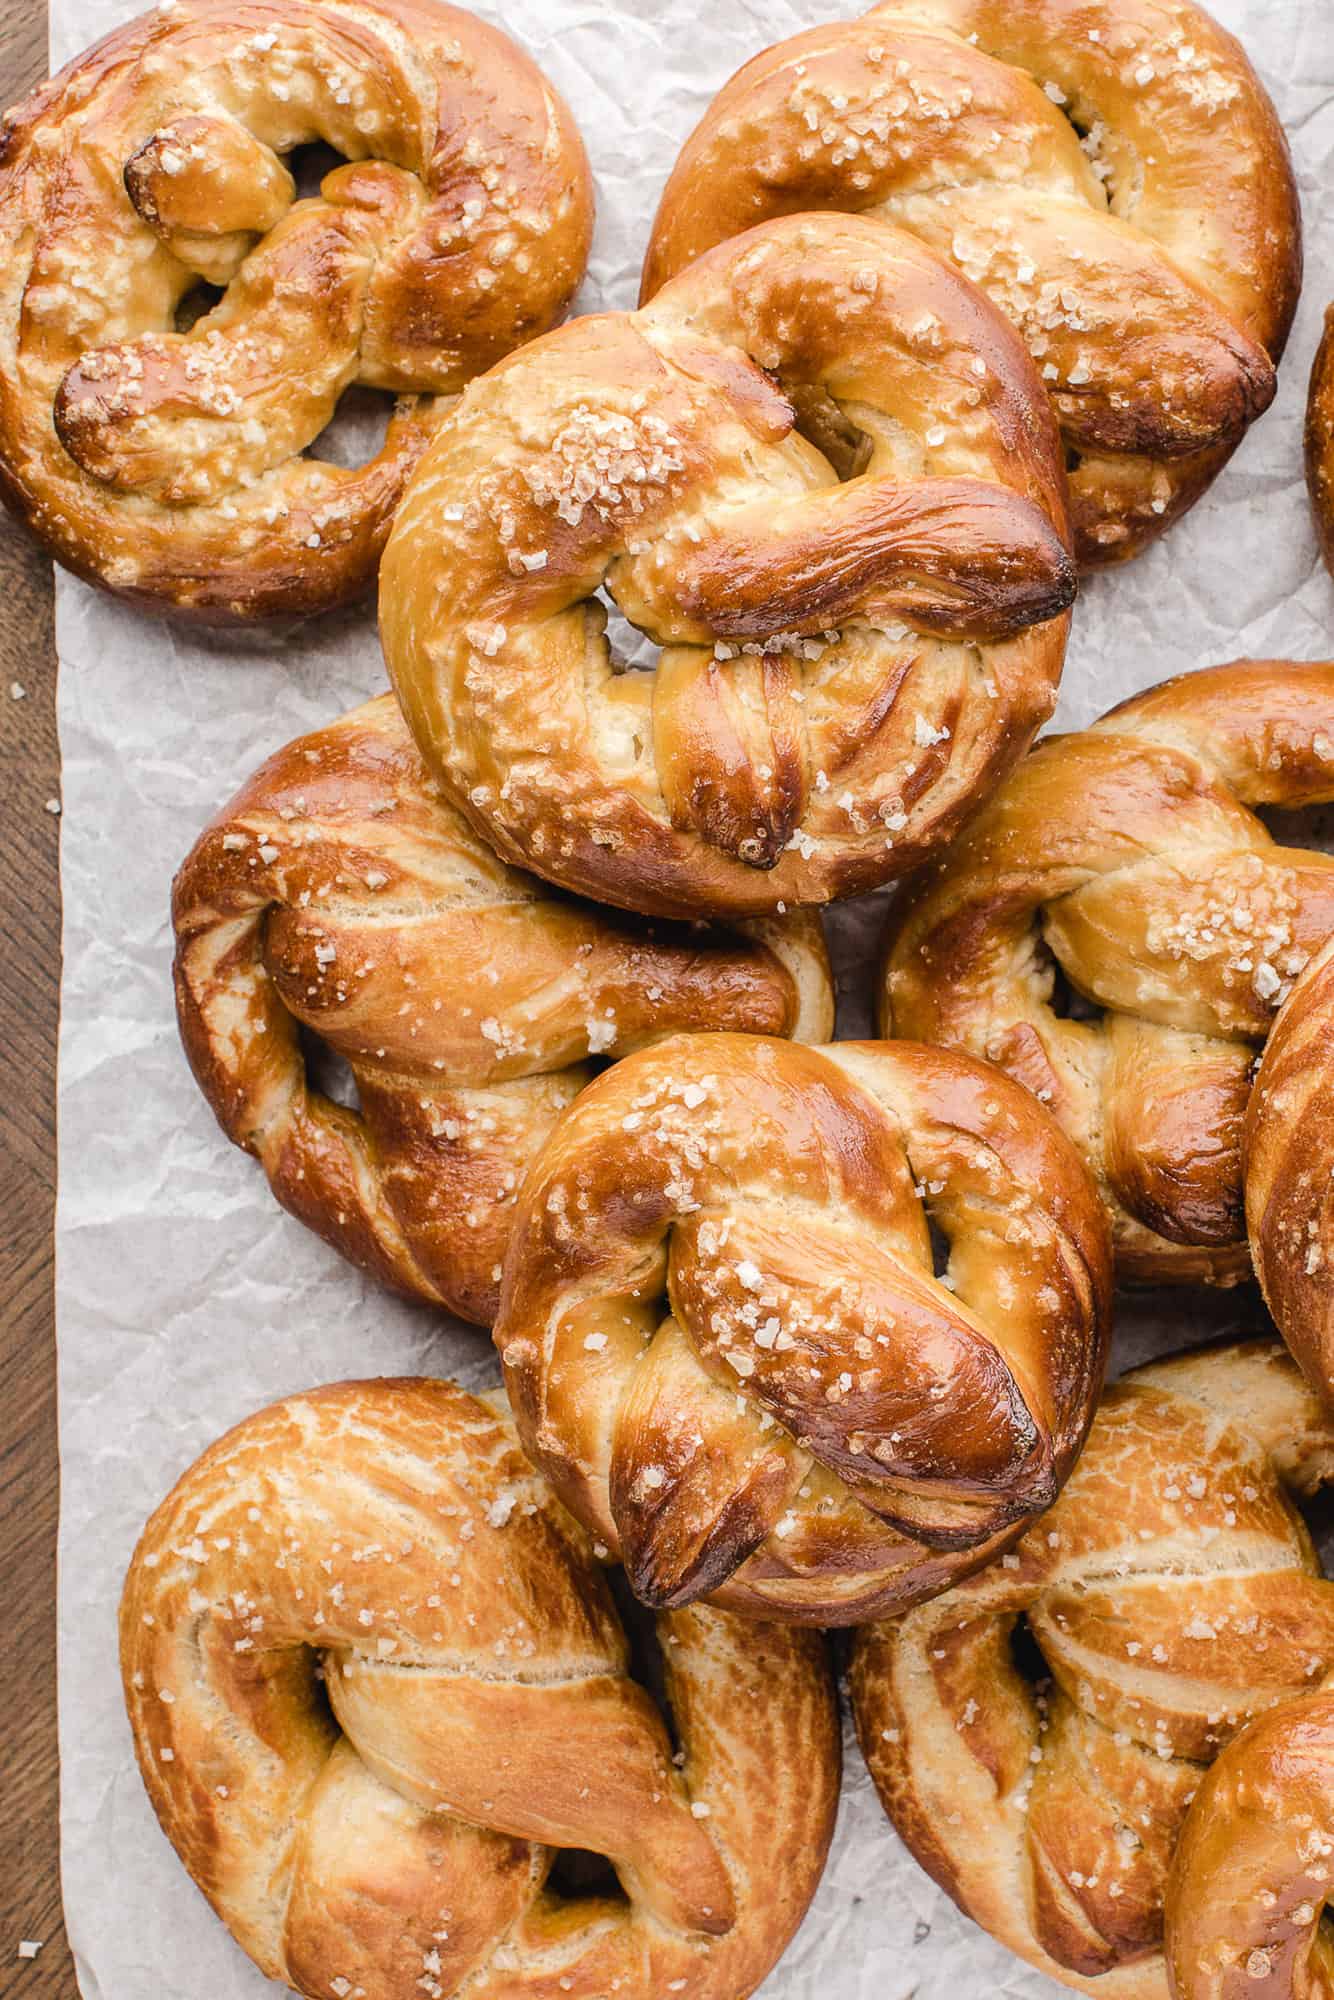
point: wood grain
(29, 1014)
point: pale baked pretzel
(847, 667)
(339, 892)
(1171, 1594)
(1128, 859)
(1255, 1865)
(727, 1350)
(376, 1680)
(1111, 172)
(167, 465)
(1290, 1172)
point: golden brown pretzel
(167, 465)
(1127, 858)
(1110, 172)
(391, 1833)
(1252, 1870)
(847, 666)
(727, 1350)
(1290, 1172)
(339, 892)
(1320, 440)
(1171, 1594)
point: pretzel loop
(389, 1541)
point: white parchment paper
(186, 1298)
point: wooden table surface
(29, 1012)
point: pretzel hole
(940, 1246)
(1026, 1654)
(197, 302)
(631, 652)
(579, 1876)
(327, 1071)
(309, 164)
(355, 433)
(646, 1658)
(1311, 827)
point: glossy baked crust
(726, 1345)
(848, 666)
(1290, 1172)
(338, 892)
(1117, 929)
(377, 1682)
(1171, 1594)
(1320, 441)
(167, 466)
(1111, 172)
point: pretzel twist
(1171, 1595)
(1290, 1172)
(725, 1345)
(1252, 1873)
(339, 893)
(375, 1681)
(168, 465)
(1112, 175)
(845, 666)
(1127, 859)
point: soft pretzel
(1126, 863)
(727, 1350)
(339, 893)
(1320, 440)
(1036, 1735)
(1111, 172)
(167, 465)
(1289, 1144)
(376, 1682)
(847, 667)
(1252, 1870)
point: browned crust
(1290, 1172)
(337, 891)
(847, 668)
(726, 1347)
(1130, 857)
(1174, 1594)
(1319, 440)
(392, 1534)
(96, 264)
(1195, 268)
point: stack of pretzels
(514, 984)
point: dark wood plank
(29, 1012)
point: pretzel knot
(375, 1680)
(1290, 1172)
(1124, 865)
(168, 464)
(725, 1345)
(1037, 1734)
(1110, 172)
(340, 894)
(846, 665)
(1252, 1871)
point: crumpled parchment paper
(186, 1298)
